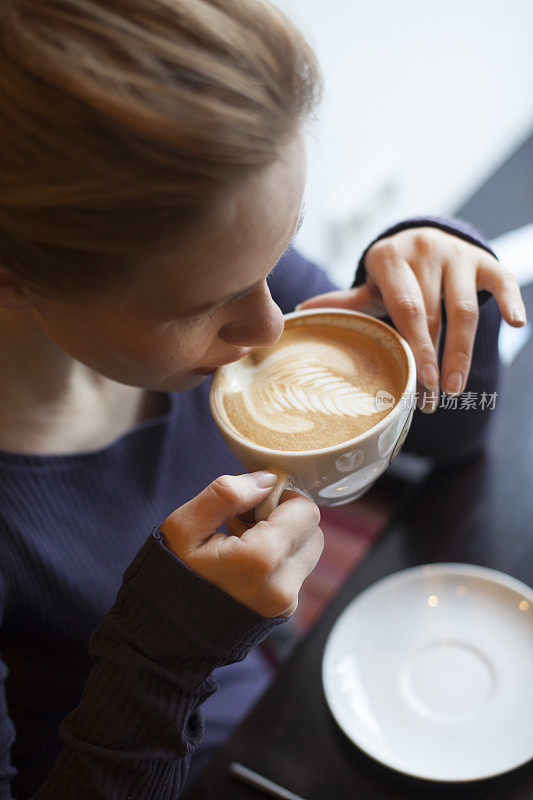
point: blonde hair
(123, 120)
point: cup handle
(265, 508)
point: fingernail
(298, 307)
(430, 403)
(429, 376)
(454, 383)
(264, 480)
(517, 315)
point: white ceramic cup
(340, 473)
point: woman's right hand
(262, 565)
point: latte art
(291, 388)
(316, 387)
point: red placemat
(349, 531)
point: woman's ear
(13, 293)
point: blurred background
(423, 101)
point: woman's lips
(206, 371)
(210, 370)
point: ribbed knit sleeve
(136, 725)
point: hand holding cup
(261, 565)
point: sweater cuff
(202, 617)
(456, 227)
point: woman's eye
(202, 316)
(242, 295)
(205, 315)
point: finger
(248, 517)
(294, 570)
(194, 522)
(243, 522)
(462, 314)
(431, 291)
(404, 302)
(363, 298)
(309, 554)
(428, 399)
(297, 568)
(504, 286)
(288, 526)
(236, 526)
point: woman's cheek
(190, 341)
(162, 350)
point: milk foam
(316, 387)
(283, 386)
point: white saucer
(430, 672)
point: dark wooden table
(480, 512)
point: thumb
(225, 497)
(361, 298)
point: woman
(153, 172)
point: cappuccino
(321, 384)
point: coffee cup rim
(362, 437)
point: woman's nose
(253, 321)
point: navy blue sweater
(98, 618)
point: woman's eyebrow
(211, 303)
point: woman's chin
(188, 381)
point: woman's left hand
(407, 276)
